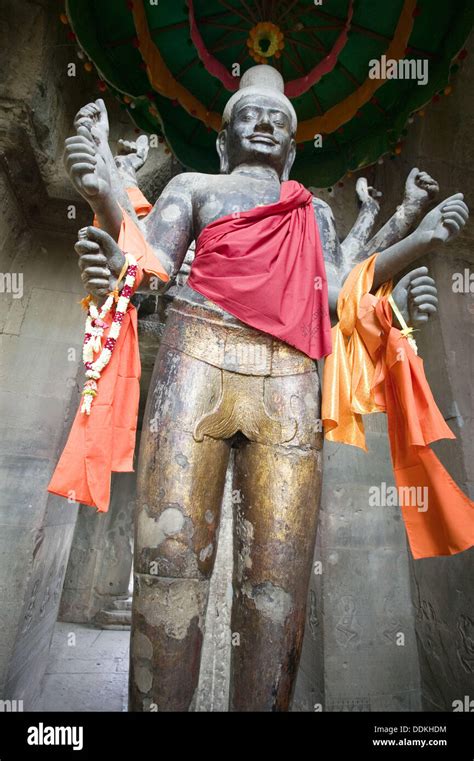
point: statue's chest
(232, 200)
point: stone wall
(40, 347)
(100, 561)
(443, 588)
(40, 342)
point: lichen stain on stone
(245, 532)
(151, 532)
(171, 213)
(206, 552)
(143, 678)
(182, 460)
(272, 601)
(173, 606)
(141, 646)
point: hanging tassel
(85, 302)
(406, 332)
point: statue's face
(259, 132)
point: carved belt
(238, 348)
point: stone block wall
(40, 346)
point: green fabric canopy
(172, 66)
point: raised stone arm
(92, 168)
(420, 190)
(130, 157)
(102, 181)
(356, 239)
(439, 226)
(415, 294)
(168, 229)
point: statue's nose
(264, 123)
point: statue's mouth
(266, 139)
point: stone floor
(87, 670)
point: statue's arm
(93, 170)
(168, 229)
(420, 190)
(439, 226)
(415, 294)
(357, 238)
(331, 252)
(130, 157)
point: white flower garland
(94, 331)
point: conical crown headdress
(261, 80)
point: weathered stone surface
(213, 690)
(35, 401)
(100, 562)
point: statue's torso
(216, 196)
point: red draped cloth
(265, 266)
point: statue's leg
(278, 490)
(179, 493)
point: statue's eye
(248, 114)
(279, 120)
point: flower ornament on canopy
(265, 41)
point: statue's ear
(221, 145)
(285, 175)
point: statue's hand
(86, 166)
(416, 297)
(367, 194)
(420, 189)
(95, 118)
(100, 261)
(444, 222)
(133, 153)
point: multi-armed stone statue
(236, 370)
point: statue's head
(259, 124)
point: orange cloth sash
(139, 202)
(104, 441)
(373, 369)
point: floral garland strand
(94, 331)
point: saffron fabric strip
(104, 441)
(373, 368)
